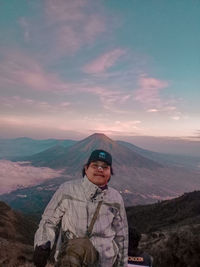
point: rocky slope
(170, 230)
(16, 237)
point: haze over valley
(140, 175)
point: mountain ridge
(84, 147)
(15, 149)
(163, 158)
(170, 230)
(23, 146)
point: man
(73, 206)
(137, 257)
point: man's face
(98, 172)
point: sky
(70, 68)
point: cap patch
(102, 155)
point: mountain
(13, 148)
(16, 237)
(134, 173)
(139, 179)
(76, 155)
(167, 214)
(170, 230)
(185, 161)
(19, 148)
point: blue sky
(69, 68)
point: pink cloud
(110, 99)
(70, 38)
(93, 27)
(62, 10)
(176, 118)
(70, 26)
(21, 70)
(104, 62)
(152, 110)
(152, 83)
(62, 27)
(149, 95)
(149, 90)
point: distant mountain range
(185, 161)
(13, 148)
(170, 232)
(134, 173)
(140, 179)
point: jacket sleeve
(50, 219)
(121, 237)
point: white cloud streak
(127, 126)
(20, 104)
(104, 62)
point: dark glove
(41, 254)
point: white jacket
(74, 204)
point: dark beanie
(100, 155)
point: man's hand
(41, 254)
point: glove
(41, 254)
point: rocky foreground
(171, 230)
(170, 233)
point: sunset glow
(88, 66)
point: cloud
(195, 136)
(152, 110)
(118, 127)
(176, 118)
(19, 104)
(72, 24)
(110, 99)
(149, 94)
(21, 71)
(197, 132)
(149, 90)
(25, 26)
(104, 62)
(61, 28)
(170, 108)
(18, 174)
(41, 122)
(18, 69)
(60, 10)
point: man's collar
(91, 189)
(103, 187)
